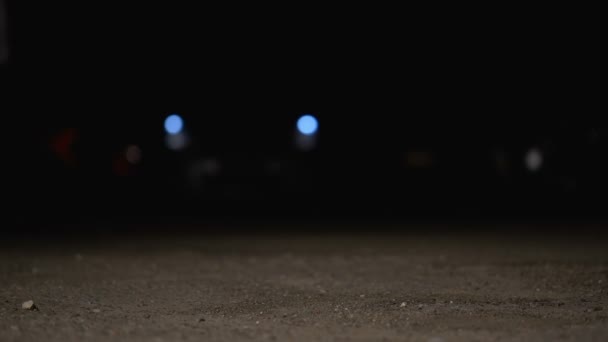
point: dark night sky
(465, 110)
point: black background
(466, 95)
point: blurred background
(167, 112)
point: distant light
(308, 125)
(534, 159)
(133, 154)
(177, 141)
(174, 124)
(306, 143)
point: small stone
(403, 304)
(202, 319)
(362, 296)
(96, 310)
(420, 306)
(451, 302)
(600, 281)
(29, 305)
(147, 316)
(257, 322)
(14, 328)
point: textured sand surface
(303, 288)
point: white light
(306, 143)
(534, 160)
(308, 125)
(174, 124)
(177, 141)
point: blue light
(308, 125)
(174, 124)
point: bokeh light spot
(174, 124)
(534, 159)
(177, 142)
(308, 125)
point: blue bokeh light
(308, 125)
(174, 124)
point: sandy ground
(431, 287)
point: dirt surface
(304, 288)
